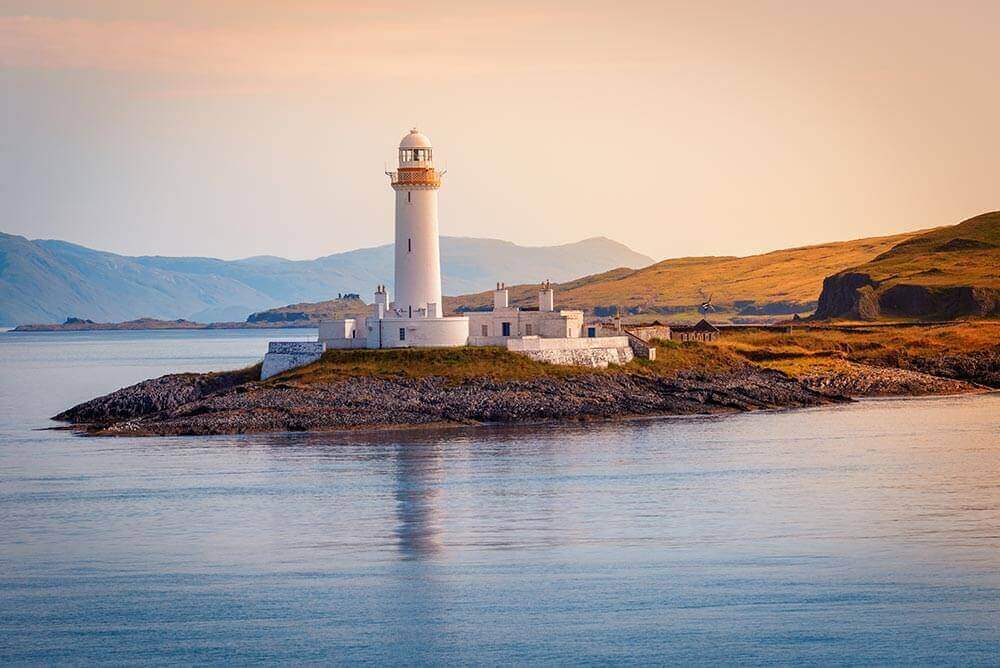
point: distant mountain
(948, 272)
(48, 281)
(779, 283)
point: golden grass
(924, 260)
(794, 274)
(807, 349)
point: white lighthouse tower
(415, 318)
(418, 254)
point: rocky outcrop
(857, 296)
(920, 301)
(174, 407)
(847, 295)
(860, 380)
(981, 367)
(159, 394)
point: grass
(926, 259)
(805, 351)
(810, 350)
(453, 364)
(459, 364)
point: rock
(860, 380)
(187, 404)
(842, 297)
(158, 394)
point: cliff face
(857, 296)
(846, 295)
(945, 273)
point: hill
(945, 273)
(778, 283)
(347, 306)
(49, 281)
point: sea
(858, 534)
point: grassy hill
(944, 273)
(778, 283)
(349, 306)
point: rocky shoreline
(236, 402)
(195, 404)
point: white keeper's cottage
(416, 318)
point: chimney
(546, 298)
(501, 299)
(381, 304)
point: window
(486, 330)
(408, 200)
(527, 329)
(402, 333)
(409, 245)
(505, 329)
(591, 332)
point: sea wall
(284, 355)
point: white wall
(422, 332)
(551, 324)
(418, 255)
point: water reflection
(419, 479)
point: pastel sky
(242, 127)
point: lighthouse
(418, 254)
(415, 318)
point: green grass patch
(455, 364)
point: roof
(415, 139)
(702, 326)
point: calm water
(857, 534)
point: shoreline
(83, 429)
(256, 407)
(405, 388)
(236, 402)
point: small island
(376, 389)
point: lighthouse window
(408, 193)
(409, 245)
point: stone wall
(649, 332)
(595, 357)
(640, 347)
(284, 355)
(595, 352)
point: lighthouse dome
(415, 139)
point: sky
(233, 128)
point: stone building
(703, 331)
